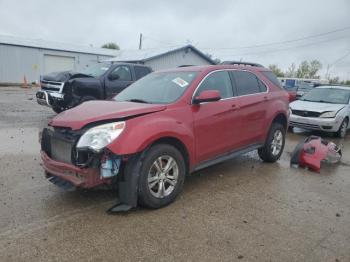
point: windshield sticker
(104, 68)
(179, 81)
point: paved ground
(242, 210)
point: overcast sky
(227, 29)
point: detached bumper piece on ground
(313, 151)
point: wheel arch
(282, 119)
(178, 144)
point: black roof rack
(241, 63)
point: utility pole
(140, 44)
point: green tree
(334, 80)
(111, 45)
(303, 70)
(315, 66)
(276, 70)
(309, 69)
(291, 71)
(347, 82)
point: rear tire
(341, 133)
(274, 144)
(162, 175)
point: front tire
(341, 133)
(274, 144)
(162, 176)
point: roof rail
(185, 65)
(241, 63)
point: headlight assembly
(330, 114)
(98, 137)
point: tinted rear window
(246, 82)
(271, 76)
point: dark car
(64, 90)
(165, 126)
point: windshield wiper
(136, 100)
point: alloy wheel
(163, 176)
(277, 142)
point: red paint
(93, 111)
(206, 130)
(79, 177)
(292, 96)
(314, 152)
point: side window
(263, 87)
(271, 76)
(247, 83)
(217, 81)
(121, 73)
(141, 72)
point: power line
(339, 59)
(288, 48)
(283, 42)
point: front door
(215, 123)
(118, 79)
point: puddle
(19, 141)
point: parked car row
(163, 127)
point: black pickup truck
(64, 90)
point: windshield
(96, 70)
(328, 95)
(304, 86)
(158, 88)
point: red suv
(163, 127)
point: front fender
(140, 132)
(86, 87)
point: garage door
(53, 63)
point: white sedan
(325, 108)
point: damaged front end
(69, 166)
(313, 151)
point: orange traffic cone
(25, 83)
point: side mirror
(113, 77)
(207, 96)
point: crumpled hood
(315, 106)
(94, 111)
(63, 76)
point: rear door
(215, 122)
(253, 97)
(118, 79)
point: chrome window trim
(233, 69)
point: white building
(32, 58)
(164, 58)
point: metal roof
(149, 54)
(44, 44)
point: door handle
(234, 107)
(266, 98)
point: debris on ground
(313, 151)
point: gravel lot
(240, 210)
